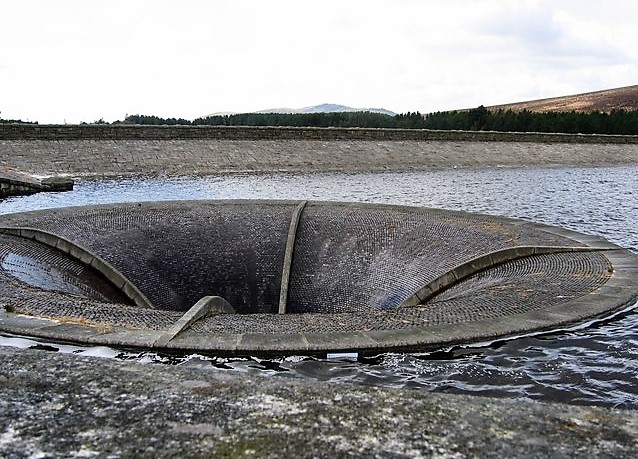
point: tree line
(332, 119)
(476, 119)
(8, 121)
(482, 119)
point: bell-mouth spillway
(281, 277)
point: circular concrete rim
(620, 290)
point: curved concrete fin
(86, 257)
(204, 307)
(487, 261)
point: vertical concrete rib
(290, 248)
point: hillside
(322, 108)
(327, 108)
(625, 98)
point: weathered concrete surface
(60, 405)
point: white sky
(82, 60)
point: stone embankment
(117, 150)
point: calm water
(594, 364)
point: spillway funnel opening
(298, 277)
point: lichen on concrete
(57, 405)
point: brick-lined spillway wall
(347, 257)
(174, 150)
(345, 276)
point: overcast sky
(81, 60)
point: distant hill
(327, 108)
(625, 98)
(323, 108)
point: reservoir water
(594, 364)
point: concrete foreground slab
(61, 405)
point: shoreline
(197, 174)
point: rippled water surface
(594, 364)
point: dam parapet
(151, 132)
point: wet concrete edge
(61, 405)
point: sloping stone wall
(107, 150)
(122, 131)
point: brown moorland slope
(625, 98)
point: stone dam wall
(113, 150)
(147, 132)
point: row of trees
(151, 120)
(3, 121)
(476, 119)
(333, 119)
(615, 122)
